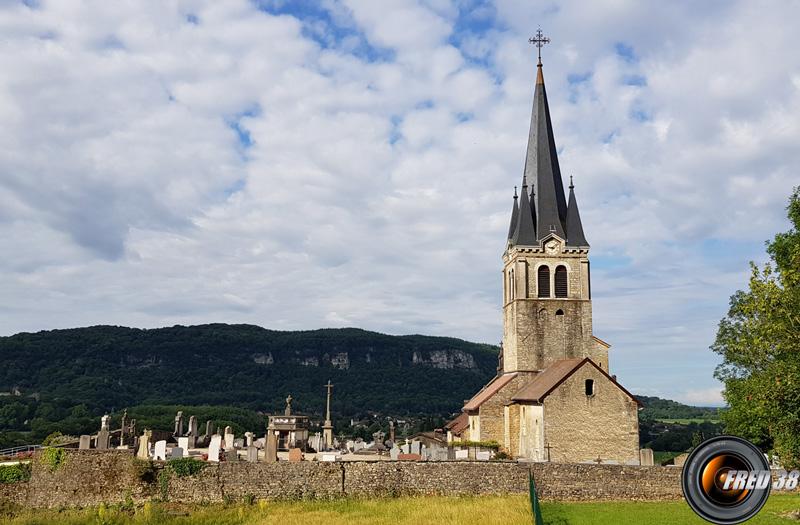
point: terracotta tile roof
(458, 425)
(547, 381)
(488, 391)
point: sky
(299, 165)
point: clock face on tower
(551, 246)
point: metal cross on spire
(539, 40)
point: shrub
(53, 438)
(183, 467)
(53, 458)
(15, 473)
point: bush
(183, 467)
(53, 458)
(494, 445)
(52, 439)
(15, 473)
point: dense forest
(63, 380)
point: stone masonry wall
(93, 477)
(582, 428)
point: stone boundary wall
(92, 477)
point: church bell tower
(547, 306)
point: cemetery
(283, 462)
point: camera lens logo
(726, 480)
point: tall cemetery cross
(329, 386)
(539, 40)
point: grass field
(687, 421)
(506, 510)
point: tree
(759, 341)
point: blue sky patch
(625, 52)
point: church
(554, 398)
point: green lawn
(688, 421)
(506, 510)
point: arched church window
(511, 290)
(543, 281)
(559, 312)
(561, 281)
(589, 387)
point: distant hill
(665, 410)
(63, 380)
(110, 367)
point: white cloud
(375, 191)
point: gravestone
(213, 448)
(252, 454)
(394, 452)
(85, 442)
(160, 450)
(462, 454)
(329, 457)
(183, 443)
(295, 454)
(177, 452)
(646, 457)
(143, 452)
(416, 447)
(271, 454)
(192, 434)
(405, 449)
(248, 439)
(231, 455)
(178, 424)
(483, 455)
(260, 443)
(238, 443)
(103, 438)
(350, 444)
(229, 438)
(358, 445)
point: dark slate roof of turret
(575, 236)
(541, 167)
(524, 233)
(514, 216)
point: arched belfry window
(543, 281)
(561, 281)
(511, 284)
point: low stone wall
(92, 477)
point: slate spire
(575, 236)
(514, 216)
(541, 166)
(524, 233)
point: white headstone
(177, 452)
(213, 448)
(183, 444)
(394, 452)
(229, 441)
(329, 457)
(160, 450)
(462, 454)
(406, 448)
(85, 442)
(416, 447)
(483, 455)
(252, 454)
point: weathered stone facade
(582, 428)
(89, 478)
